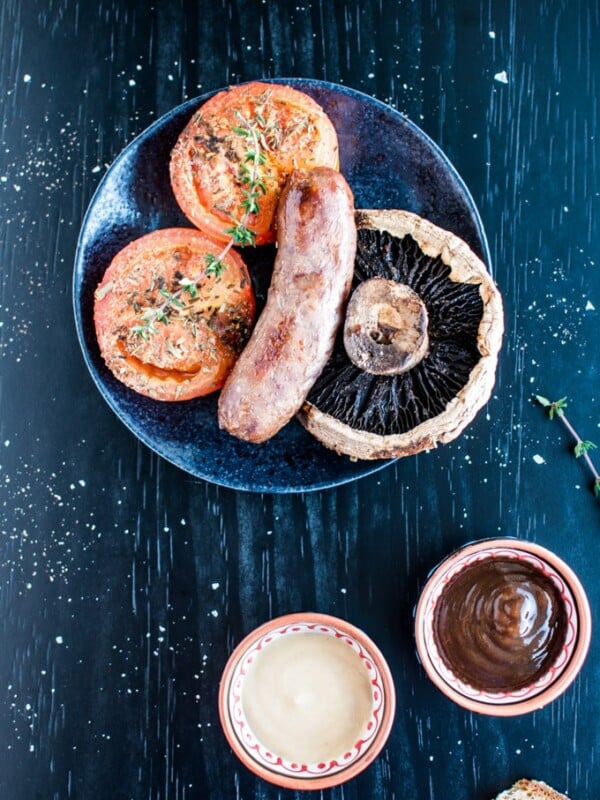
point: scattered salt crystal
(26, 78)
(59, 640)
(492, 34)
(215, 585)
(539, 459)
(501, 77)
(589, 306)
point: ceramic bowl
(237, 694)
(561, 673)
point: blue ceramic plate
(388, 162)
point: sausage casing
(295, 334)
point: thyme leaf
(251, 179)
(214, 265)
(190, 286)
(582, 446)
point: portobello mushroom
(413, 365)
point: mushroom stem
(385, 331)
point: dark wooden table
(124, 581)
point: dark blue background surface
(124, 581)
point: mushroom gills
(387, 404)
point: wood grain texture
(124, 583)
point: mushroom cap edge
(465, 267)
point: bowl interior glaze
(266, 761)
(562, 671)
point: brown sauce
(499, 624)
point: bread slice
(531, 790)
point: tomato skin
(192, 354)
(205, 162)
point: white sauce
(307, 697)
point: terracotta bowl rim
(364, 759)
(583, 628)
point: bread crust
(528, 789)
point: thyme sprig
(240, 235)
(582, 447)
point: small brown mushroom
(381, 401)
(385, 331)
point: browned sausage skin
(294, 336)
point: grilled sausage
(295, 334)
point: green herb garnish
(240, 235)
(582, 446)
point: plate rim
(366, 467)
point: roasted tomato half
(247, 139)
(170, 321)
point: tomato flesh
(189, 350)
(292, 131)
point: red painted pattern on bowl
(547, 678)
(562, 671)
(274, 767)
